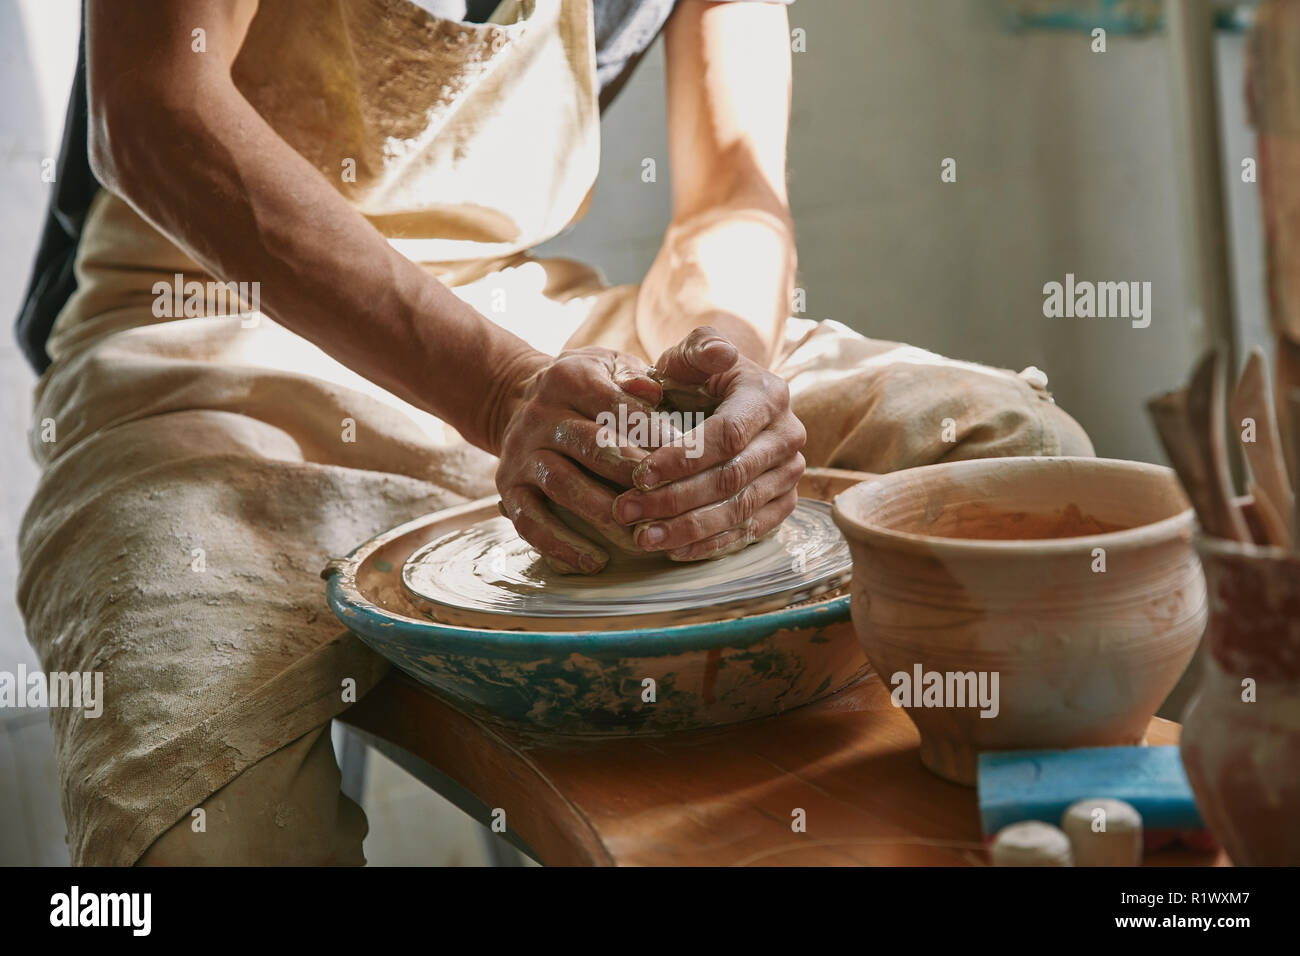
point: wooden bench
(724, 797)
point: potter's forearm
(245, 212)
(195, 159)
(729, 257)
(728, 81)
(732, 269)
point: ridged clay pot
(1073, 580)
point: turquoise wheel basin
(617, 682)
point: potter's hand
(551, 446)
(735, 480)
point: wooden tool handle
(1253, 415)
(1288, 381)
(1205, 410)
(1169, 415)
(1293, 423)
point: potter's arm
(171, 134)
(728, 258)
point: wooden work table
(721, 797)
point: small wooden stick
(1293, 416)
(1276, 531)
(1205, 412)
(1253, 399)
(1287, 381)
(1169, 414)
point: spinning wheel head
(486, 576)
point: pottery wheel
(486, 576)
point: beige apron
(203, 470)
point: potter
(408, 298)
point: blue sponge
(1020, 785)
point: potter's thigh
(904, 407)
(284, 810)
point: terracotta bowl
(1066, 588)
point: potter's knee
(1017, 425)
(998, 414)
(912, 414)
(1066, 434)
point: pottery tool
(1267, 526)
(1031, 843)
(1286, 381)
(1042, 784)
(486, 576)
(1205, 429)
(1253, 400)
(1104, 832)
(1293, 423)
(1205, 410)
(1169, 414)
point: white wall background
(1065, 163)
